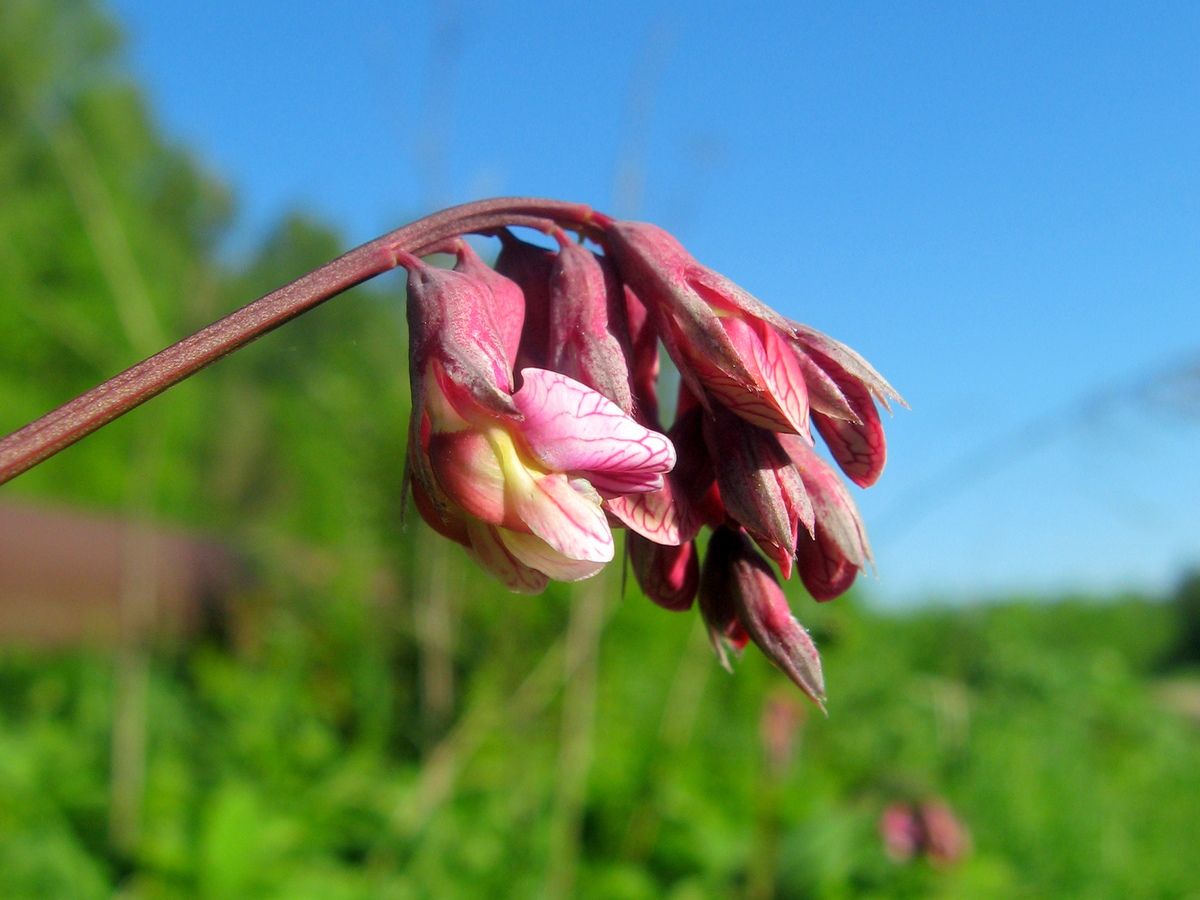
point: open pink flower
(520, 475)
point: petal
(775, 396)
(824, 570)
(487, 549)
(468, 470)
(859, 448)
(553, 508)
(656, 515)
(536, 553)
(569, 427)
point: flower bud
(721, 338)
(759, 486)
(529, 267)
(588, 323)
(736, 576)
(643, 361)
(831, 556)
(667, 575)
(843, 389)
(508, 300)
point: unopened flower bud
(732, 566)
(721, 338)
(508, 299)
(588, 330)
(529, 267)
(831, 556)
(843, 390)
(668, 575)
(760, 488)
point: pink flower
(520, 475)
(900, 831)
(929, 828)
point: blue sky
(998, 205)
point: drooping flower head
(536, 430)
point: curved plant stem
(78, 418)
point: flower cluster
(536, 429)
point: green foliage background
(298, 755)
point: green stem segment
(78, 418)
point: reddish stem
(78, 418)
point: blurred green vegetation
(379, 720)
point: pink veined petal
(826, 573)
(532, 551)
(656, 516)
(860, 449)
(490, 553)
(569, 427)
(556, 511)
(777, 399)
(468, 472)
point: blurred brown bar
(67, 578)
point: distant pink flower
(929, 828)
(901, 832)
(946, 838)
